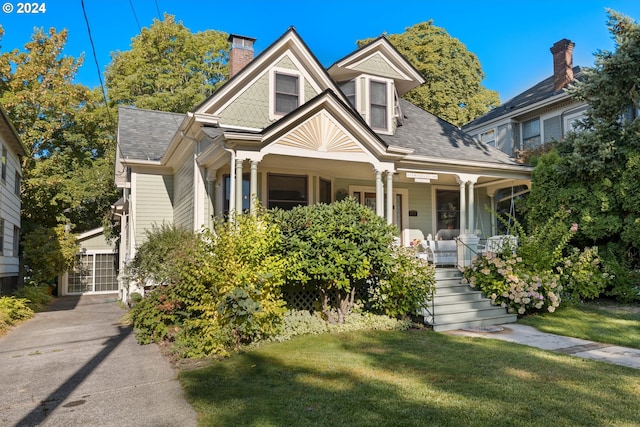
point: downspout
(232, 179)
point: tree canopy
(595, 171)
(69, 137)
(168, 68)
(453, 89)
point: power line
(135, 16)
(158, 10)
(95, 57)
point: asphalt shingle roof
(534, 94)
(145, 134)
(431, 136)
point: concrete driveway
(76, 365)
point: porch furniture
(441, 252)
(498, 243)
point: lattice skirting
(309, 299)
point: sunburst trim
(320, 133)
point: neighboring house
(96, 267)
(289, 132)
(11, 150)
(540, 114)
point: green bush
(13, 310)
(582, 274)
(223, 287)
(338, 248)
(37, 295)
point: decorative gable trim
(321, 133)
(379, 65)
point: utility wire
(95, 57)
(133, 9)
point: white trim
(390, 101)
(404, 192)
(273, 115)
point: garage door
(93, 272)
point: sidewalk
(77, 365)
(530, 336)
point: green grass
(411, 378)
(611, 324)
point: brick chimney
(241, 53)
(562, 63)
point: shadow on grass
(411, 379)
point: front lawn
(609, 323)
(411, 378)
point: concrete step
(473, 315)
(455, 297)
(497, 320)
(448, 273)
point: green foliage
(13, 310)
(38, 296)
(453, 89)
(222, 286)
(624, 280)
(168, 68)
(335, 249)
(541, 270)
(49, 252)
(596, 171)
(408, 286)
(297, 323)
(156, 258)
(583, 274)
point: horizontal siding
(154, 203)
(10, 211)
(184, 195)
(96, 243)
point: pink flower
(574, 227)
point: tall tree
(453, 89)
(69, 136)
(596, 171)
(168, 68)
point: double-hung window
(349, 90)
(378, 102)
(531, 134)
(488, 137)
(287, 93)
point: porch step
(457, 305)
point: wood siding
(154, 203)
(184, 195)
(10, 212)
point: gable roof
(406, 77)
(542, 91)
(430, 136)
(145, 134)
(289, 41)
(10, 135)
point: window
(447, 210)
(488, 137)
(531, 134)
(16, 240)
(378, 105)
(245, 192)
(4, 163)
(16, 183)
(287, 191)
(325, 191)
(286, 93)
(349, 90)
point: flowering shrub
(583, 274)
(503, 277)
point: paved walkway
(76, 365)
(530, 336)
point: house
(541, 114)
(287, 131)
(11, 150)
(96, 266)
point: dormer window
(378, 105)
(287, 93)
(349, 90)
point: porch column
(389, 197)
(379, 194)
(471, 208)
(253, 187)
(463, 205)
(492, 205)
(238, 186)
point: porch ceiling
(329, 168)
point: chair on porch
(499, 243)
(444, 249)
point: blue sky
(510, 38)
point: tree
(453, 89)
(168, 68)
(69, 137)
(594, 171)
